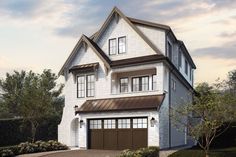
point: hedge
(142, 152)
(13, 132)
(27, 147)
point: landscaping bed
(196, 152)
(27, 147)
(142, 152)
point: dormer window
(122, 45)
(112, 46)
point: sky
(40, 34)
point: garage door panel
(96, 139)
(110, 139)
(139, 138)
(124, 139)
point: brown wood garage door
(117, 134)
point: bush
(27, 147)
(142, 152)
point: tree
(31, 96)
(208, 116)
(232, 81)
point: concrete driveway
(76, 153)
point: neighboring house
(120, 84)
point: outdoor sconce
(81, 122)
(76, 108)
(152, 121)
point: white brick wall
(155, 35)
(135, 45)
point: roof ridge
(150, 23)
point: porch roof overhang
(149, 102)
(91, 67)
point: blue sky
(40, 34)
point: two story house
(121, 83)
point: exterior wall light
(81, 122)
(76, 108)
(152, 121)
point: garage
(117, 133)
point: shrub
(7, 153)
(27, 147)
(142, 152)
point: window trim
(109, 50)
(78, 85)
(127, 84)
(87, 85)
(140, 85)
(119, 45)
(152, 81)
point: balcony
(135, 82)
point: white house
(120, 84)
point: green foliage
(229, 152)
(142, 152)
(209, 115)
(32, 96)
(27, 147)
(17, 133)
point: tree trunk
(33, 131)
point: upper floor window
(170, 51)
(140, 83)
(80, 86)
(190, 74)
(186, 67)
(154, 82)
(90, 88)
(112, 46)
(122, 45)
(180, 58)
(173, 84)
(123, 85)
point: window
(190, 74)
(112, 46)
(140, 83)
(180, 58)
(121, 45)
(123, 85)
(109, 124)
(186, 67)
(90, 88)
(170, 51)
(123, 123)
(140, 123)
(80, 86)
(154, 82)
(95, 124)
(173, 84)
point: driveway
(76, 153)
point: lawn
(196, 152)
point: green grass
(194, 152)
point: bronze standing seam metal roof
(86, 67)
(150, 102)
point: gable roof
(91, 44)
(114, 11)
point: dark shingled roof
(150, 102)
